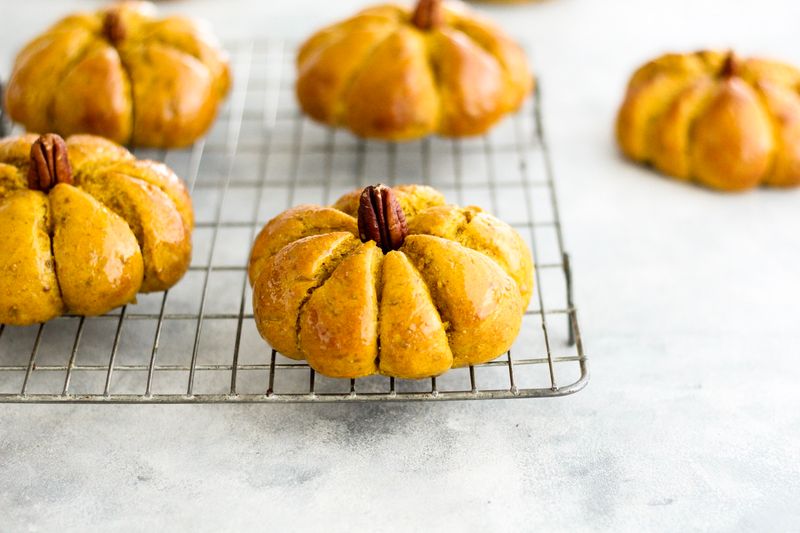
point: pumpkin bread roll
(726, 122)
(396, 74)
(365, 287)
(87, 228)
(123, 74)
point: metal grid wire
(198, 342)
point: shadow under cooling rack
(198, 341)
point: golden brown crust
(670, 148)
(152, 83)
(161, 176)
(645, 102)
(164, 241)
(158, 74)
(108, 111)
(324, 77)
(196, 39)
(453, 294)
(38, 69)
(479, 302)
(510, 56)
(292, 275)
(413, 339)
(726, 122)
(123, 226)
(293, 224)
(472, 85)
(393, 94)
(338, 326)
(11, 179)
(732, 146)
(484, 233)
(783, 107)
(98, 262)
(380, 76)
(29, 290)
(386, 16)
(88, 153)
(16, 151)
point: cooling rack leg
(570, 305)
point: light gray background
(689, 302)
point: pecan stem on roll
(113, 27)
(49, 163)
(380, 218)
(428, 14)
(730, 67)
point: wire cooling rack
(198, 341)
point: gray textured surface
(689, 303)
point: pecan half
(730, 67)
(113, 28)
(381, 219)
(49, 163)
(428, 14)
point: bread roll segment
(339, 324)
(152, 216)
(98, 261)
(28, 285)
(480, 303)
(413, 342)
(291, 225)
(290, 277)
